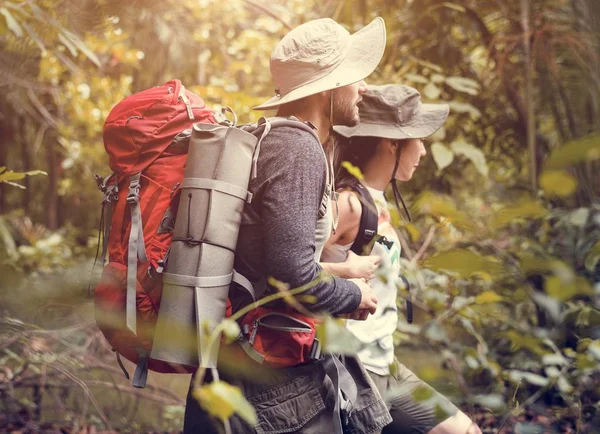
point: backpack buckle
(111, 194)
(134, 191)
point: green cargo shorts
(415, 406)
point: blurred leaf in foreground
(221, 400)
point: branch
(425, 246)
(270, 13)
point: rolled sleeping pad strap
(193, 281)
(220, 186)
(136, 250)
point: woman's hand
(361, 267)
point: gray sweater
(277, 235)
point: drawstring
(395, 190)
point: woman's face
(410, 154)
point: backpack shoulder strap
(369, 220)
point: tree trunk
(529, 96)
(52, 191)
(26, 163)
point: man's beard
(344, 112)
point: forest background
(504, 252)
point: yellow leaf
(558, 183)
(566, 289)
(526, 209)
(463, 262)
(413, 231)
(593, 257)
(442, 206)
(221, 400)
(585, 149)
(488, 297)
(352, 170)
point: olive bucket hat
(322, 55)
(395, 111)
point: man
(318, 69)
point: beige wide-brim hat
(395, 112)
(321, 55)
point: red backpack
(146, 140)
(146, 137)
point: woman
(387, 147)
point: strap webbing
(214, 184)
(195, 281)
(140, 377)
(345, 386)
(368, 221)
(250, 351)
(244, 283)
(257, 149)
(136, 250)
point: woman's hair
(358, 151)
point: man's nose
(423, 150)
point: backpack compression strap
(135, 251)
(367, 228)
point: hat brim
(429, 119)
(366, 50)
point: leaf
(231, 330)
(554, 359)
(550, 305)
(422, 393)
(442, 156)
(488, 297)
(593, 257)
(463, 107)
(463, 262)
(431, 91)
(67, 43)
(9, 175)
(465, 85)
(336, 338)
(525, 210)
(579, 217)
(82, 47)
(416, 78)
(442, 206)
(576, 151)
(535, 379)
(221, 400)
(474, 154)
(558, 183)
(11, 22)
(352, 170)
(413, 230)
(434, 332)
(520, 341)
(565, 289)
(437, 78)
(493, 401)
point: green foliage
(505, 282)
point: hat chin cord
(397, 195)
